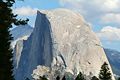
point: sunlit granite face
(61, 39)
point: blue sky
(103, 15)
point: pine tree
(63, 78)
(119, 78)
(27, 79)
(94, 78)
(43, 78)
(7, 18)
(80, 76)
(105, 72)
(57, 78)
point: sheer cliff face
(61, 38)
(19, 34)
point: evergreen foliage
(94, 78)
(119, 78)
(105, 72)
(43, 78)
(80, 76)
(27, 79)
(63, 78)
(57, 78)
(7, 18)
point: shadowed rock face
(37, 49)
(20, 33)
(61, 39)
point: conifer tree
(105, 72)
(94, 78)
(80, 76)
(119, 78)
(27, 79)
(57, 78)
(63, 78)
(43, 78)
(7, 18)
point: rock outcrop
(19, 34)
(61, 40)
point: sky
(103, 15)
